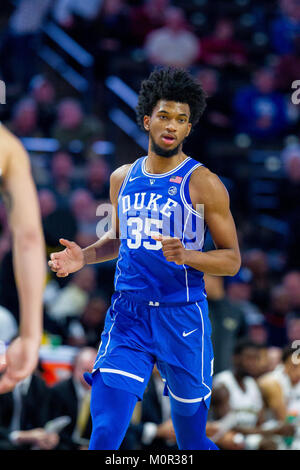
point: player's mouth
(168, 139)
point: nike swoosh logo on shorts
(189, 333)
(132, 179)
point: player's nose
(171, 127)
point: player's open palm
(67, 261)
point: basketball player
(159, 309)
(19, 194)
(281, 387)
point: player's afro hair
(172, 84)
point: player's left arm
(207, 189)
(28, 260)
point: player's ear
(147, 123)
(189, 128)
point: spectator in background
(66, 11)
(174, 44)
(97, 179)
(276, 317)
(110, 36)
(289, 191)
(71, 397)
(72, 299)
(72, 125)
(216, 123)
(62, 172)
(43, 92)
(221, 49)
(281, 388)
(285, 27)
(288, 68)
(8, 326)
(19, 54)
(24, 119)
(289, 196)
(256, 261)
(227, 321)
(239, 292)
(241, 396)
(5, 237)
(291, 283)
(84, 208)
(260, 111)
(21, 423)
(148, 17)
(85, 330)
(47, 202)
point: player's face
(248, 362)
(168, 126)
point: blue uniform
(159, 310)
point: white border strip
(185, 268)
(191, 209)
(105, 351)
(162, 175)
(201, 314)
(122, 372)
(188, 400)
(124, 182)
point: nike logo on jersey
(132, 179)
(184, 334)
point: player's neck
(158, 164)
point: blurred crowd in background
(246, 54)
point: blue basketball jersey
(149, 205)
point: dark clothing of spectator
(64, 401)
(142, 23)
(287, 70)
(283, 32)
(276, 328)
(8, 289)
(228, 324)
(219, 52)
(260, 115)
(20, 413)
(215, 125)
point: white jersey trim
(187, 400)
(184, 266)
(201, 315)
(126, 178)
(190, 208)
(106, 347)
(122, 372)
(162, 175)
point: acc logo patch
(172, 190)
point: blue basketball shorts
(175, 337)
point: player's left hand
(173, 249)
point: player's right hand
(68, 261)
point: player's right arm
(73, 257)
